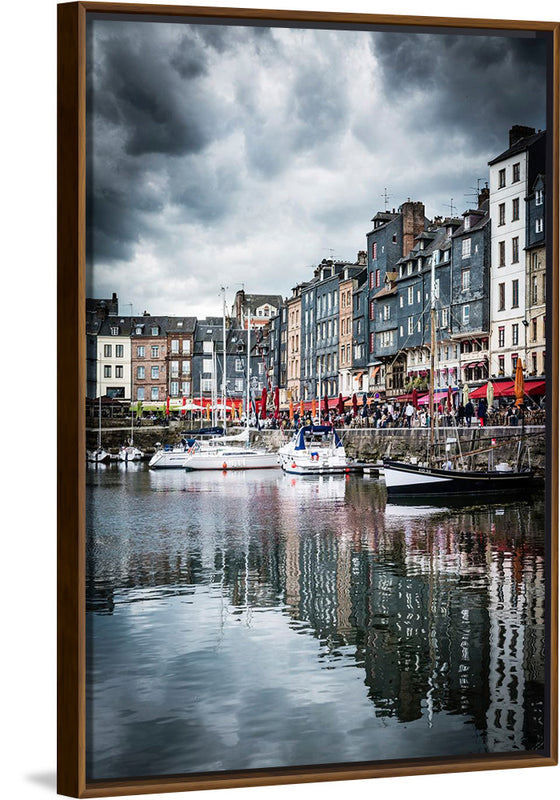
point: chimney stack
(362, 258)
(413, 221)
(483, 195)
(518, 132)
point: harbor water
(245, 620)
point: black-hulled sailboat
(405, 479)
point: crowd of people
(406, 415)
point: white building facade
(114, 370)
(511, 175)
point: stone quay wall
(367, 445)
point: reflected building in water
(443, 612)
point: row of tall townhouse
(365, 325)
(150, 358)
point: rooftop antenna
(451, 207)
(474, 192)
(129, 304)
(386, 197)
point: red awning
(503, 389)
(535, 388)
(407, 398)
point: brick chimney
(362, 258)
(413, 221)
(518, 132)
(483, 195)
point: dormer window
(154, 330)
(138, 330)
(467, 223)
(539, 197)
(115, 330)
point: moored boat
(314, 450)
(406, 479)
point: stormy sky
(228, 155)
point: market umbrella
(291, 409)
(326, 404)
(313, 408)
(465, 393)
(364, 406)
(301, 408)
(489, 393)
(138, 408)
(276, 402)
(208, 411)
(167, 405)
(354, 405)
(184, 407)
(340, 404)
(519, 385)
(415, 398)
(449, 398)
(263, 403)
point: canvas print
(317, 396)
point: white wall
(28, 54)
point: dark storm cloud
(468, 84)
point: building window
(515, 209)
(119, 350)
(174, 388)
(115, 331)
(174, 369)
(186, 388)
(515, 294)
(138, 330)
(539, 225)
(140, 393)
(107, 350)
(501, 254)
(502, 214)
(401, 301)
(516, 173)
(155, 373)
(514, 358)
(374, 250)
(444, 317)
(186, 368)
(140, 373)
(174, 345)
(535, 290)
(466, 314)
(140, 351)
(501, 365)
(466, 224)
(238, 365)
(410, 295)
(386, 312)
(533, 330)
(107, 371)
(465, 279)
(515, 250)
(515, 333)
(186, 346)
(371, 342)
(377, 278)
(539, 197)
(501, 296)
(207, 347)
(501, 336)
(371, 309)
(155, 393)
(501, 179)
(154, 330)
(118, 372)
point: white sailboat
(99, 455)
(222, 454)
(128, 452)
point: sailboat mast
(432, 358)
(248, 367)
(99, 432)
(224, 411)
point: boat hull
(226, 461)
(298, 465)
(411, 480)
(168, 460)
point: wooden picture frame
(71, 421)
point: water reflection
(245, 620)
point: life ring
(294, 465)
(224, 465)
